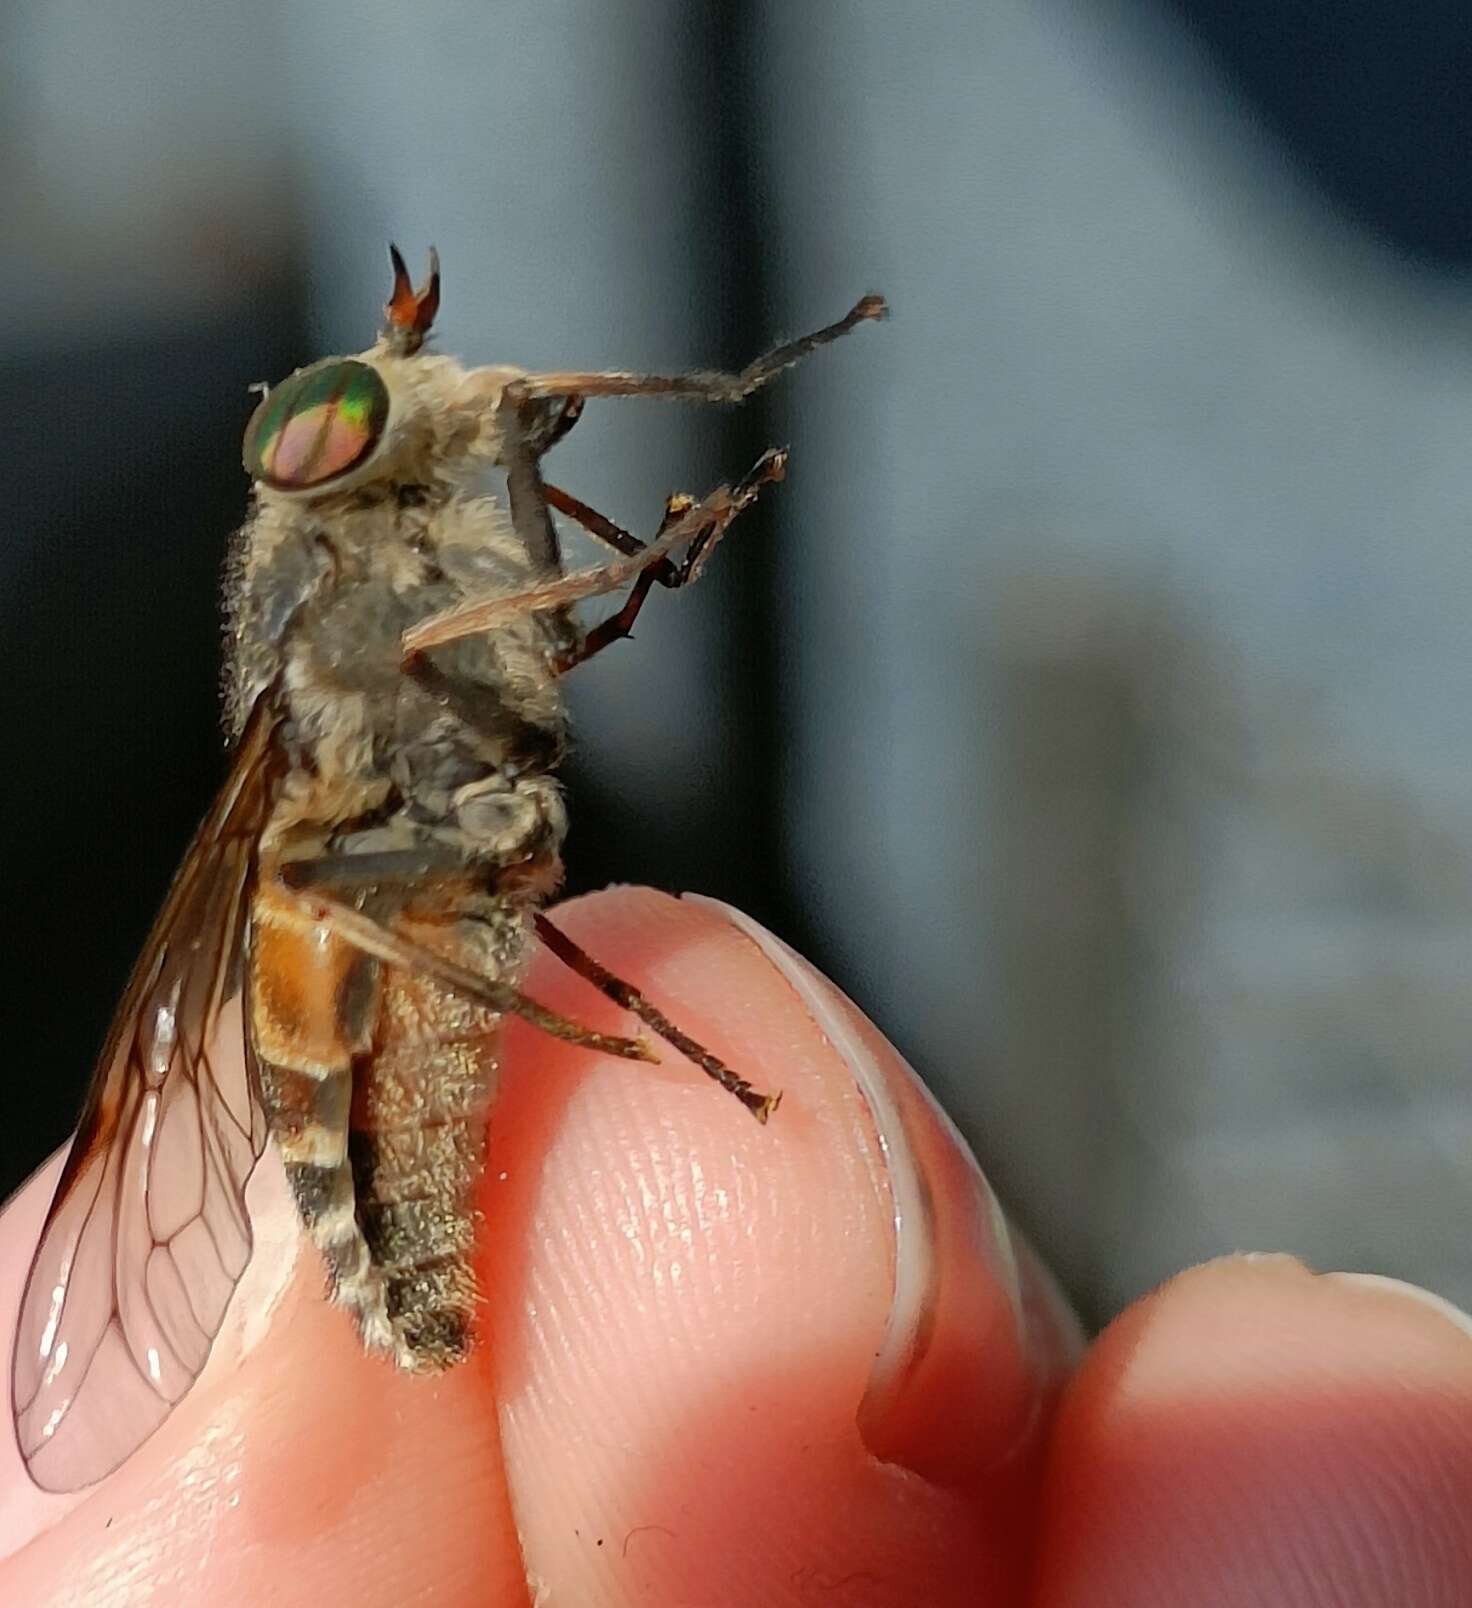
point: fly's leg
(770, 467)
(701, 385)
(525, 435)
(614, 629)
(599, 526)
(572, 955)
(529, 429)
(522, 419)
(372, 937)
(704, 522)
(559, 424)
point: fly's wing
(147, 1236)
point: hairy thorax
(453, 751)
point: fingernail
(1383, 1284)
(952, 1393)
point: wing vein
(81, 1354)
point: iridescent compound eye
(316, 426)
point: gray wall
(1130, 658)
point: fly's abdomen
(378, 1084)
(314, 1003)
(417, 1144)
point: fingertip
(688, 1305)
(958, 1380)
(1254, 1432)
(293, 1445)
(24, 1510)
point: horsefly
(362, 896)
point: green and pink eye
(318, 426)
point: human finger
(281, 1476)
(722, 1377)
(807, 1345)
(1254, 1433)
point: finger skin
(281, 1478)
(701, 1300)
(681, 1311)
(1254, 1433)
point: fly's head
(394, 415)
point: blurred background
(1094, 702)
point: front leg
(524, 439)
(770, 467)
(526, 427)
(700, 385)
(701, 524)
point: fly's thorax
(320, 595)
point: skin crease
(682, 1312)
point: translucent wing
(148, 1235)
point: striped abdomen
(378, 1084)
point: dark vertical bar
(735, 847)
(122, 466)
(744, 309)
